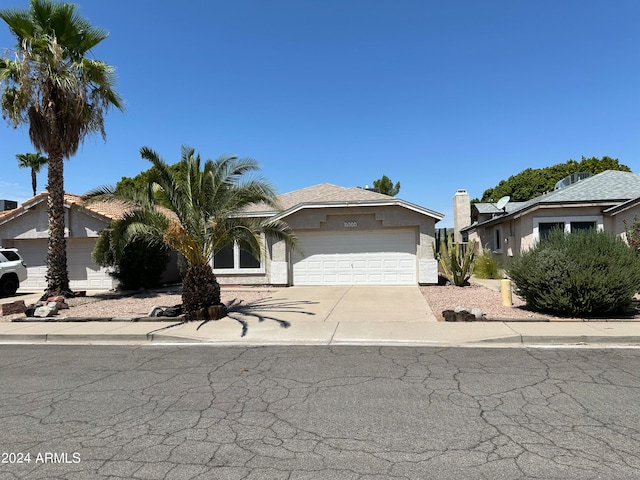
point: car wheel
(8, 287)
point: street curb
(155, 338)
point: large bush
(585, 273)
(139, 265)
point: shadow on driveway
(263, 309)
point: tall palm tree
(53, 86)
(34, 161)
(196, 209)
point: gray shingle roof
(609, 186)
(488, 208)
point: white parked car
(13, 270)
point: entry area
(378, 257)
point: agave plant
(455, 261)
(196, 209)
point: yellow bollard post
(505, 289)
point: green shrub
(140, 265)
(584, 273)
(486, 265)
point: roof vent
(7, 205)
(571, 179)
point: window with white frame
(233, 259)
(543, 225)
(545, 228)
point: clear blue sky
(438, 95)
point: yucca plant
(455, 261)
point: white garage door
(84, 274)
(359, 258)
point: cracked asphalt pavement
(278, 412)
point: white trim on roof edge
(358, 203)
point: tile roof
(108, 210)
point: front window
(497, 245)
(233, 259)
(575, 226)
(544, 229)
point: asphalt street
(318, 412)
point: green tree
(203, 216)
(35, 162)
(386, 186)
(531, 182)
(62, 94)
(140, 264)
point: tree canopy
(386, 186)
(203, 203)
(533, 182)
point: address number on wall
(350, 224)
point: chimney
(461, 213)
(7, 205)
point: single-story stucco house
(348, 236)
(26, 228)
(603, 201)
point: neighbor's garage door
(356, 258)
(84, 274)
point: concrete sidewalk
(265, 331)
(327, 316)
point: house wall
(277, 264)
(521, 234)
(33, 224)
(615, 223)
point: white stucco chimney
(461, 213)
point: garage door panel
(362, 258)
(84, 274)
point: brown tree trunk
(57, 274)
(33, 181)
(200, 289)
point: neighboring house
(602, 201)
(347, 236)
(26, 228)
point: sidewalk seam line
(514, 331)
(336, 304)
(333, 335)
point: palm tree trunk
(200, 289)
(33, 181)
(57, 274)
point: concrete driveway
(344, 304)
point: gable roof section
(107, 210)
(610, 186)
(329, 195)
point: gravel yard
(439, 298)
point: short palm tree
(53, 86)
(196, 209)
(34, 161)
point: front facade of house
(26, 228)
(603, 201)
(347, 236)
